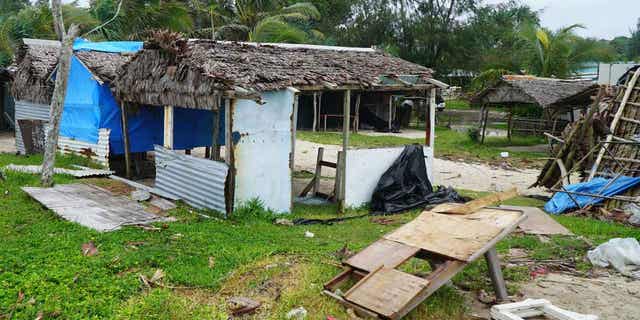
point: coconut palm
(555, 53)
(266, 21)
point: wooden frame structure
(381, 291)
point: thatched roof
(35, 60)
(190, 73)
(103, 65)
(545, 92)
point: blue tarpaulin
(91, 106)
(561, 201)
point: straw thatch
(545, 92)
(191, 73)
(103, 65)
(35, 62)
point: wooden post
(229, 156)
(215, 146)
(356, 121)
(320, 111)
(495, 273)
(294, 125)
(318, 174)
(59, 94)
(125, 138)
(168, 127)
(345, 146)
(485, 118)
(390, 111)
(432, 117)
(315, 111)
(509, 123)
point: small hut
(559, 100)
(255, 89)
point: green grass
(41, 258)
(457, 104)
(448, 143)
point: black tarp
(405, 185)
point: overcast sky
(605, 19)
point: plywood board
(382, 252)
(539, 222)
(386, 291)
(452, 236)
(92, 206)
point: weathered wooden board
(539, 222)
(386, 291)
(382, 252)
(458, 237)
(92, 206)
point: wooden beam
(390, 120)
(432, 117)
(229, 155)
(125, 138)
(215, 134)
(356, 121)
(315, 111)
(345, 146)
(168, 127)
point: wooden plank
(168, 127)
(386, 292)
(389, 254)
(479, 203)
(451, 236)
(358, 309)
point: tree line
(465, 36)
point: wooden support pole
(484, 124)
(509, 123)
(125, 138)
(229, 155)
(318, 173)
(215, 146)
(320, 112)
(495, 272)
(432, 117)
(390, 111)
(356, 121)
(345, 145)
(168, 127)
(315, 111)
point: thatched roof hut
(544, 92)
(189, 73)
(35, 60)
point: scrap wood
(474, 205)
(242, 305)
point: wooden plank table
(449, 242)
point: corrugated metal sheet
(97, 152)
(29, 111)
(199, 182)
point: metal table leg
(495, 272)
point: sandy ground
(459, 174)
(610, 298)
(7, 142)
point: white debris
(534, 308)
(622, 254)
(309, 234)
(504, 154)
(35, 169)
(299, 313)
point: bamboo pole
(345, 145)
(630, 87)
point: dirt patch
(117, 188)
(7, 142)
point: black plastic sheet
(405, 185)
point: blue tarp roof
(107, 46)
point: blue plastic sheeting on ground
(107, 46)
(561, 201)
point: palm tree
(265, 21)
(555, 53)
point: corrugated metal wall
(97, 152)
(28, 111)
(199, 182)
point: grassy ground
(205, 261)
(457, 104)
(448, 143)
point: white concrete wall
(365, 167)
(263, 149)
